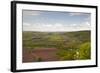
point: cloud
(33, 13)
(57, 27)
(49, 25)
(88, 18)
(76, 14)
(26, 24)
(87, 23)
(73, 25)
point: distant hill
(52, 39)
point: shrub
(84, 52)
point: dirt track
(45, 54)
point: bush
(66, 54)
(39, 59)
(84, 52)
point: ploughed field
(46, 54)
(56, 46)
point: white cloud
(49, 25)
(73, 24)
(87, 23)
(26, 24)
(29, 12)
(74, 14)
(88, 18)
(77, 14)
(57, 27)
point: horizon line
(55, 31)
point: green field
(69, 45)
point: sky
(55, 21)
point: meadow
(56, 46)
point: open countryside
(56, 46)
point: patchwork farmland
(56, 46)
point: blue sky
(55, 21)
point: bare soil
(40, 55)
